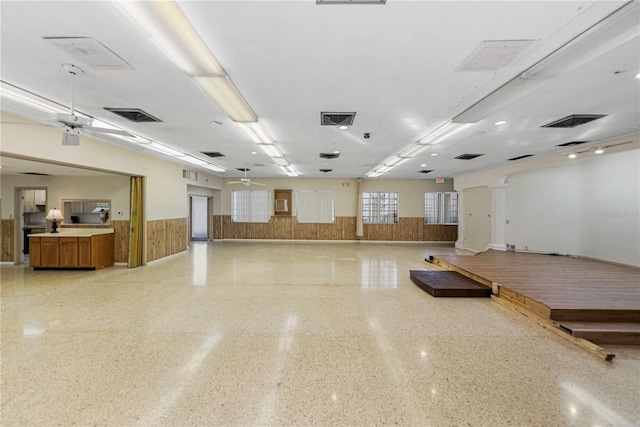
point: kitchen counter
(77, 232)
(72, 248)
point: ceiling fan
(246, 181)
(73, 123)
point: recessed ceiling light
(572, 155)
(500, 122)
(434, 154)
(599, 150)
(343, 127)
(254, 153)
(638, 76)
(336, 151)
(423, 165)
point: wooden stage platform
(578, 294)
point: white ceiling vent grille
(91, 52)
(492, 55)
(337, 119)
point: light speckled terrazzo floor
(236, 333)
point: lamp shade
(54, 214)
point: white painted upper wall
(166, 189)
(589, 208)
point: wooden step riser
(610, 337)
(586, 315)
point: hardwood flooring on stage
(559, 282)
(590, 299)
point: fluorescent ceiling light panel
(374, 174)
(224, 92)
(91, 52)
(395, 161)
(167, 27)
(443, 132)
(29, 99)
(194, 160)
(608, 34)
(214, 168)
(280, 161)
(383, 169)
(257, 132)
(270, 150)
(164, 150)
(413, 150)
(293, 173)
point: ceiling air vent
(329, 155)
(326, 170)
(521, 157)
(212, 153)
(572, 143)
(133, 114)
(35, 173)
(337, 119)
(425, 171)
(573, 121)
(244, 169)
(468, 156)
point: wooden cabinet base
(91, 252)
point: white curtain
(250, 206)
(315, 207)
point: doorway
(30, 209)
(199, 218)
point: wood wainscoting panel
(7, 242)
(217, 227)
(121, 240)
(166, 237)
(344, 228)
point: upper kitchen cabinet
(34, 200)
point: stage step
(622, 333)
(448, 284)
(594, 315)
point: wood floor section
(448, 284)
(563, 289)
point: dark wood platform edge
(534, 310)
(460, 286)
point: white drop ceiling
(394, 64)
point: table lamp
(54, 214)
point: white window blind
(250, 206)
(315, 207)
(441, 208)
(379, 208)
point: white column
(498, 216)
(460, 243)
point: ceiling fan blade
(107, 130)
(257, 183)
(235, 182)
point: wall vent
(521, 157)
(35, 173)
(468, 156)
(329, 155)
(133, 114)
(190, 174)
(337, 119)
(571, 144)
(326, 170)
(573, 121)
(212, 153)
(425, 171)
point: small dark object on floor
(429, 259)
(448, 284)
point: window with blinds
(315, 207)
(250, 206)
(441, 208)
(379, 208)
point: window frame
(373, 212)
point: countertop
(75, 232)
